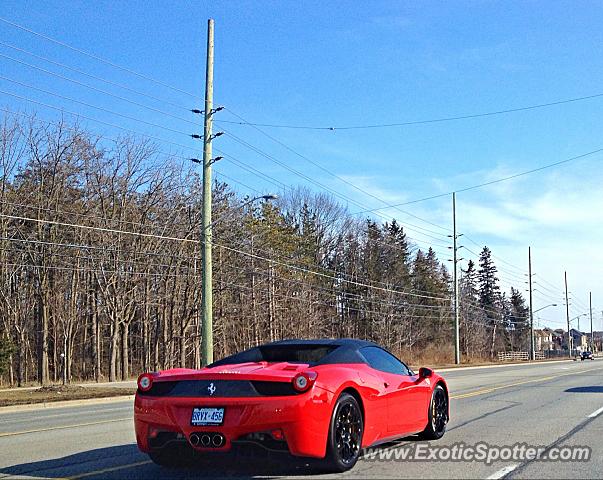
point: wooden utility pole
(457, 350)
(569, 337)
(590, 302)
(206, 238)
(532, 350)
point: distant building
(557, 339)
(579, 340)
(543, 339)
(597, 341)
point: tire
(438, 415)
(345, 435)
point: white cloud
(559, 213)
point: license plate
(207, 416)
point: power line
(112, 139)
(338, 273)
(96, 57)
(547, 297)
(492, 182)
(183, 146)
(189, 240)
(109, 124)
(131, 259)
(336, 307)
(556, 288)
(421, 122)
(338, 177)
(417, 229)
(89, 105)
(542, 285)
(498, 112)
(159, 126)
(251, 169)
(99, 90)
(519, 269)
(84, 269)
(95, 77)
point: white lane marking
(595, 413)
(503, 472)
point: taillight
(145, 382)
(303, 381)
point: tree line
(100, 267)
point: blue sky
(353, 63)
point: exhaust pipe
(205, 440)
(217, 440)
(195, 439)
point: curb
(65, 403)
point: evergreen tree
(468, 283)
(489, 291)
(518, 312)
(517, 317)
(489, 295)
(397, 265)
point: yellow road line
(62, 427)
(509, 385)
(107, 470)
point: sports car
(325, 399)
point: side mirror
(425, 372)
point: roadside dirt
(56, 393)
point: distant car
(312, 398)
(587, 356)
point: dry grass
(434, 357)
(57, 393)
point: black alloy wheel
(438, 415)
(345, 434)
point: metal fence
(519, 356)
(539, 355)
(515, 356)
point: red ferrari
(312, 398)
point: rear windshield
(301, 353)
(295, 353)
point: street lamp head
(270, 196)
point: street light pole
(207, 345)
(532, 312)
(569, 337)
(579, 331)
(546, 306)
(267, 197)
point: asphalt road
(550, 405)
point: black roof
(345, 350)
(347, 342)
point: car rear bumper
(302, 419)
